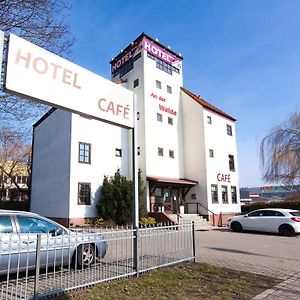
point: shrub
(94, 221)
(145, 221)
(291, 204)
(116, 200)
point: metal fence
(34, 266)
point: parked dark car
(59, 245)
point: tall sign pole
(135, 178)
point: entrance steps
(200, 222)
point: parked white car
(283, 221)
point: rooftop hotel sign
(40, 75)
(149, 46)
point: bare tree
(42, 22)
(15, 157)
(280, 152)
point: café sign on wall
(40, 75)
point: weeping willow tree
(280, 152)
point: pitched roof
(207, 105)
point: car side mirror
(56, 232)
(245, 216)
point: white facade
(174, 144)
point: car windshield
(295, 213)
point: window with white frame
(209, 120)
(233, 194)
(169, 89)
(160, 151)
(231, 163)
(214, 193)
(171, 153)
(229, 129)
(170, 121)
(84, 193)
(224, 194)
(118, 152)
(211, 153)
(135, 83)
(158, 84)
(159, 117)
(84, 153)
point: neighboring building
(15, 186)
(186, 147)
(268, 193)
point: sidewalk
(268, 255)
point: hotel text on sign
(47, 78)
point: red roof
(207, 105)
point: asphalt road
(260, 253)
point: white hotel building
(186, 147)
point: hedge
(291, 204)
(15, 205)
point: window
(158, 84)
(151, 56)
(160, 151)
(159, 64)
(256, 214)
(176, 70)
(224, 194)
(170, 121)
(169, 89)
(159, 117)
(24, 179)
(136, 83)
(231, 163)
(229, 129)
(84, 193)
(211, 153)
(118, 152)
(163, 65)
(35, 225)
(171, 153)
(84, 153)
(214, 193)
(272, 213)
(209, 121)
(168, 68)
(233, 194)
(5, 224)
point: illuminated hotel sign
(47, 78)
(152, 48)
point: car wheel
(85, 255)
(286, 230)
(236, 226)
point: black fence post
(136, 251)
(193, 237)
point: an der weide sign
(47, 78)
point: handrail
(173, 211)
(206, 208)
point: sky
(241, 56)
